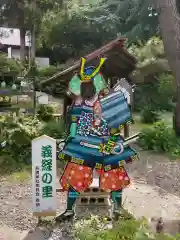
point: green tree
(12, 15)
(136, 19)
(24, 15)
(70, 32)
(92, 25)
(151, 60)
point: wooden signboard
(44, 176)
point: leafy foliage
(160, 138)
(25, 15)
(159, 94)
(8, 66)
(45, 113)
(129, 229)
(149, 115)
(149, 51)
(18, 133)
(151, 60)
(85, 38)
(48, 71)
(54, 129)
(167, 91)
(125, 20)
(146, 95)
(91, 25)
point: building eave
(119, 42)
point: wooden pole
(126, 130)
(33, 53)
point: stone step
(92, 200)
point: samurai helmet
(87, 74)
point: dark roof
(119, 63)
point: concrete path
(142, 199)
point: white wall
(59, 102)
(41, 62)
(11, 37)
(15, 53)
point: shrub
(149, 115)
(167, 91)
(97, 228)
(160, 93)
(9, 66)
(18, 133)
(131, 229)
(160, 138)
(54, 129)
(49, 71)
(45, 113)
(146, 95)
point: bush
(160, 138)
(96, 228)
(146, 95)
(49, 71)
(45, 113)
(148, 115)
(54, 129)
(167, 91)
(9, 66)
(131, 229)
(18, 133)
(160, 93)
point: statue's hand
(61, 146)
(62, 143)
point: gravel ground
(157, 170)
(16, 203)
(16, 206)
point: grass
(14, 172)
(20, 173)
(20, 176)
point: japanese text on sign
(37, 187)
(44, 176)
(46, 154)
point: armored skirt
(83, 159)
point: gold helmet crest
(88, 77)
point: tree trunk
(169, 21)
(22, 29)
(22, 44)
(176, 116)
(126, 130)
(33, 51)
(33, 33)
(33, 45)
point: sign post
(44, 176)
